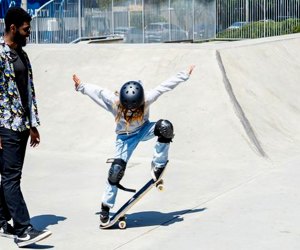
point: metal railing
(136, 21)
(56, 22)
(2, 27)
(145, 21)
(257, 18)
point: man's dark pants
(12, 154)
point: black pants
(12, 154)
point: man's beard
(20, 40)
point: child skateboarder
(130, 108)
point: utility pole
(247, 10)
(169, 20)
(79, 20)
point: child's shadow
(154, 218)
(40, 222)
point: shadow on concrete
(35, 246)
(42, 221)
(154, 218)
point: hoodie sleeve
(101, 96)
(166, 86)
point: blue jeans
(125, 145)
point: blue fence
(145, 21)
(32, 5)
(133, 21)
(5, 4)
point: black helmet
(132, 95)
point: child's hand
(76, 81)
(190, 69)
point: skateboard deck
(119, 217)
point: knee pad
(116, 171)
(164, 131)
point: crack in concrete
(238, 109)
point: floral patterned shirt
(12, 113)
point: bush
(296, 29)
(288, 26)
(262, 29)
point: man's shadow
(154, 218)
(41, 222)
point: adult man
(18, 121)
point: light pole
(265, 18)
(79, 19)
(24, 4)
(169, 20)
(247, 11)
(112, 17)
(143, 20)
(193, 35)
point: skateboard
(120, 216)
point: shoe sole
(104, 224)
(34, 240)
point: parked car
(266, 21)
(134, 35)
(121, 31)
(161, 32)
(202, 31)
(237, 25)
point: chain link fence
(135, 21)
(148, 21)
(257, 18)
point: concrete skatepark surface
(232, 180)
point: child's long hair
(129, 116)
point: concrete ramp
(234, 154)
(265, 81)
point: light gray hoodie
(109, 100)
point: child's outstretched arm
(77, 81)
(169, 84)
(191, 69)
(103, 97)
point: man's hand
(76, 80)
(34, 137)
(0, 143)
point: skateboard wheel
(122, 224)
(160, 187)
